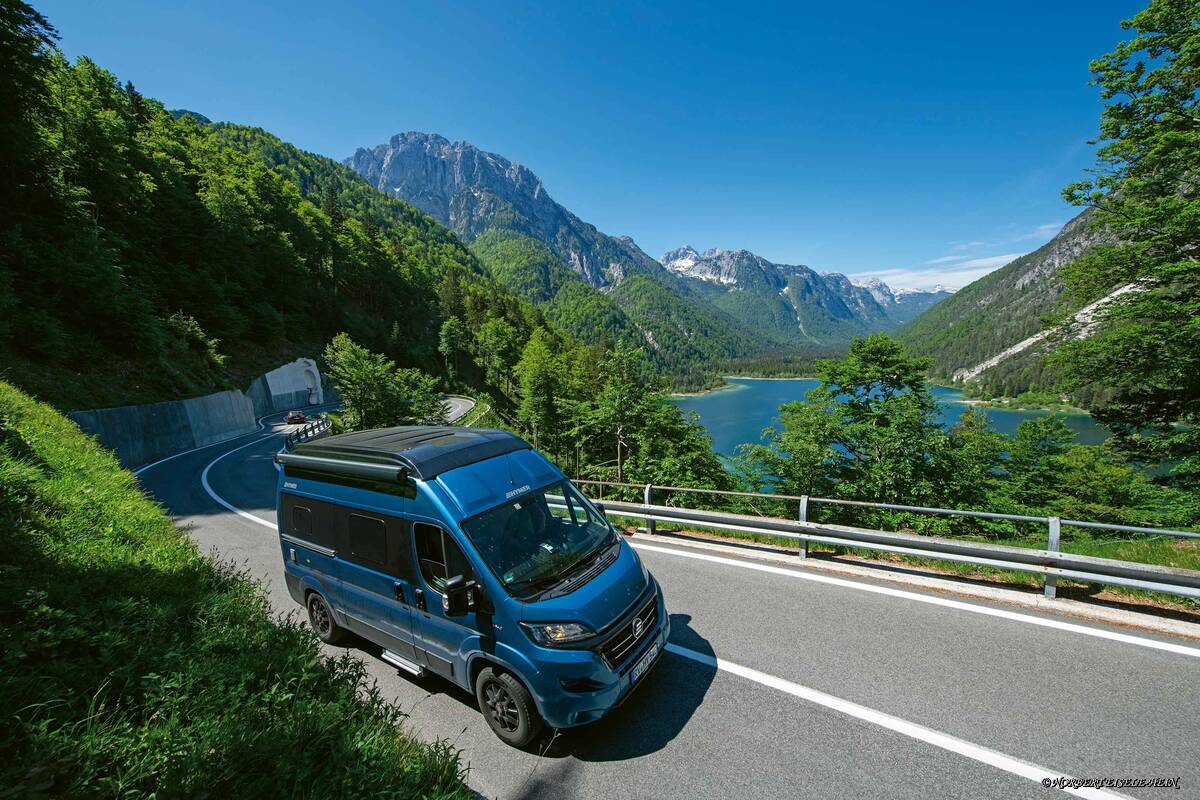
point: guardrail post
(1051, 588)
(804, 518)
(650, 527)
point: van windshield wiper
(582, 564)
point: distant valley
(795, 301)
(976, 332)
(688, 308)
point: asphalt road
(457, 407)
(783, 682)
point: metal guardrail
(1051, 562)
(314, 429)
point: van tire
(320, 617)
(508, 707)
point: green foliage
(1147, 345)
(625, 430)
(593, 412)
(985, 318)
(871, 431)
(375, 394)
(542, 377)
(451, 341)
(684, 338)
(1048, 474)
(498, 348)
(133, 241)
(132, 666)
(682, 334)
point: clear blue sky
(922, 142)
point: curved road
(457, 407)
(782, 681)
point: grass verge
(131, 666)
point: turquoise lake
(739, 413)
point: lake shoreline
(736, 417)
(729, 386)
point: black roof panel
(425, 451)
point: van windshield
(536, 540)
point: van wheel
(321, 618)
(508, 707)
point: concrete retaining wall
(293, 385)
(146, 433)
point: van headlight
(557, 633)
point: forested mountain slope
(999, 310)
(147, 257)
(470, 191)
(518, 230)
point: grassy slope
(132, 666)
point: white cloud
(988, 262)
(1043, 232)
(955, 276)
(947, 259)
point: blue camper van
(465, 553)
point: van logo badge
(637, 627)
(516, 491)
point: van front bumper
(563, 708)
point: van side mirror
(600, 508)
(456, 596)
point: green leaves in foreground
(871, 431)
(374, 393)
(1146, 347)
(131, 666)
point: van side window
(309, 520)
(439, 555)
(366, 539)
(302, 522)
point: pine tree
(1147, 345)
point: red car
(296, 416)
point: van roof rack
(423, 451)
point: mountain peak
(686, 252)
(470, 190)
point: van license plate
(640, 668)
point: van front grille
(624, 640)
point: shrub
(131, 666)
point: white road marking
(958, 605)
(221, 500)
(912, 730)
(261, 425)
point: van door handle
(399, 590)
(419, 594)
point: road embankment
(132, 665)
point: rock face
(989, 330)
(469, 190)
(902, 305)
(732, 294)
(822, 308)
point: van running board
(403, 663)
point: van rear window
(367, 539)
